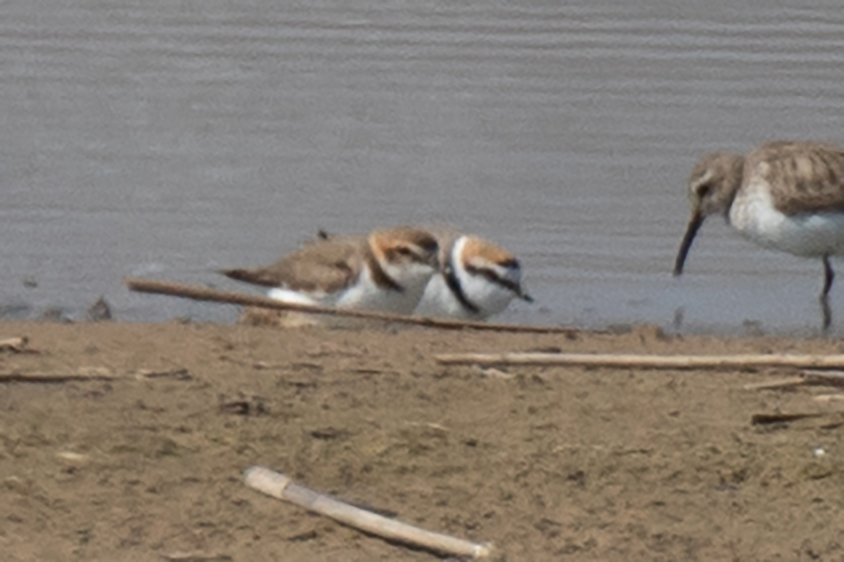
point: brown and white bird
(477, 279)
(788, 196)
(386, 271)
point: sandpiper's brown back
(803, 177)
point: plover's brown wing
(329, 265)
(804, 177)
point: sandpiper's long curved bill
(691, 230)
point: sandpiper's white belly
(804, 234)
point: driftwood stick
(644, 361)
(776, 417)
(212, 295)
(195, 557)
(93, 374)
(806, 378)
(55, 377)
(823, 378)
(279, 486)
(773, 385)
(180, 374)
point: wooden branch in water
(279, 486)
(212, 295)
(644, 361)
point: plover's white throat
(788, 196)
(477, 279)
(385, 271)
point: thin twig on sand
(195, 557)
(826, 420)
(823, 378)
(806, 378)
(643, 361)
(776, 417)
(790, 382)
(279, 486)
(93, 374)
(56, 377)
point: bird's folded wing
(326, 266)
(804, 177)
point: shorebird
(477, 279)
(386, 271)
(788, 196)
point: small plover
(477, 279)
(386, 271)
(788, 196)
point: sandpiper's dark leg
(828, 278)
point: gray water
(168, 139)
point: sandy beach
(546, 463)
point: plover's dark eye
(405, 251)
(703, 190)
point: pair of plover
(398, 270)
(788, 196)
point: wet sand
(547, 463)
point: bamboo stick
(212, 295)
(279, 486)
(644, 361)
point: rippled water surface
(169, 139)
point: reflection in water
(181, 138)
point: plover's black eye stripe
(493, 277)
(430, 246)
(423, 253)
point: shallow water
(169, 139)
